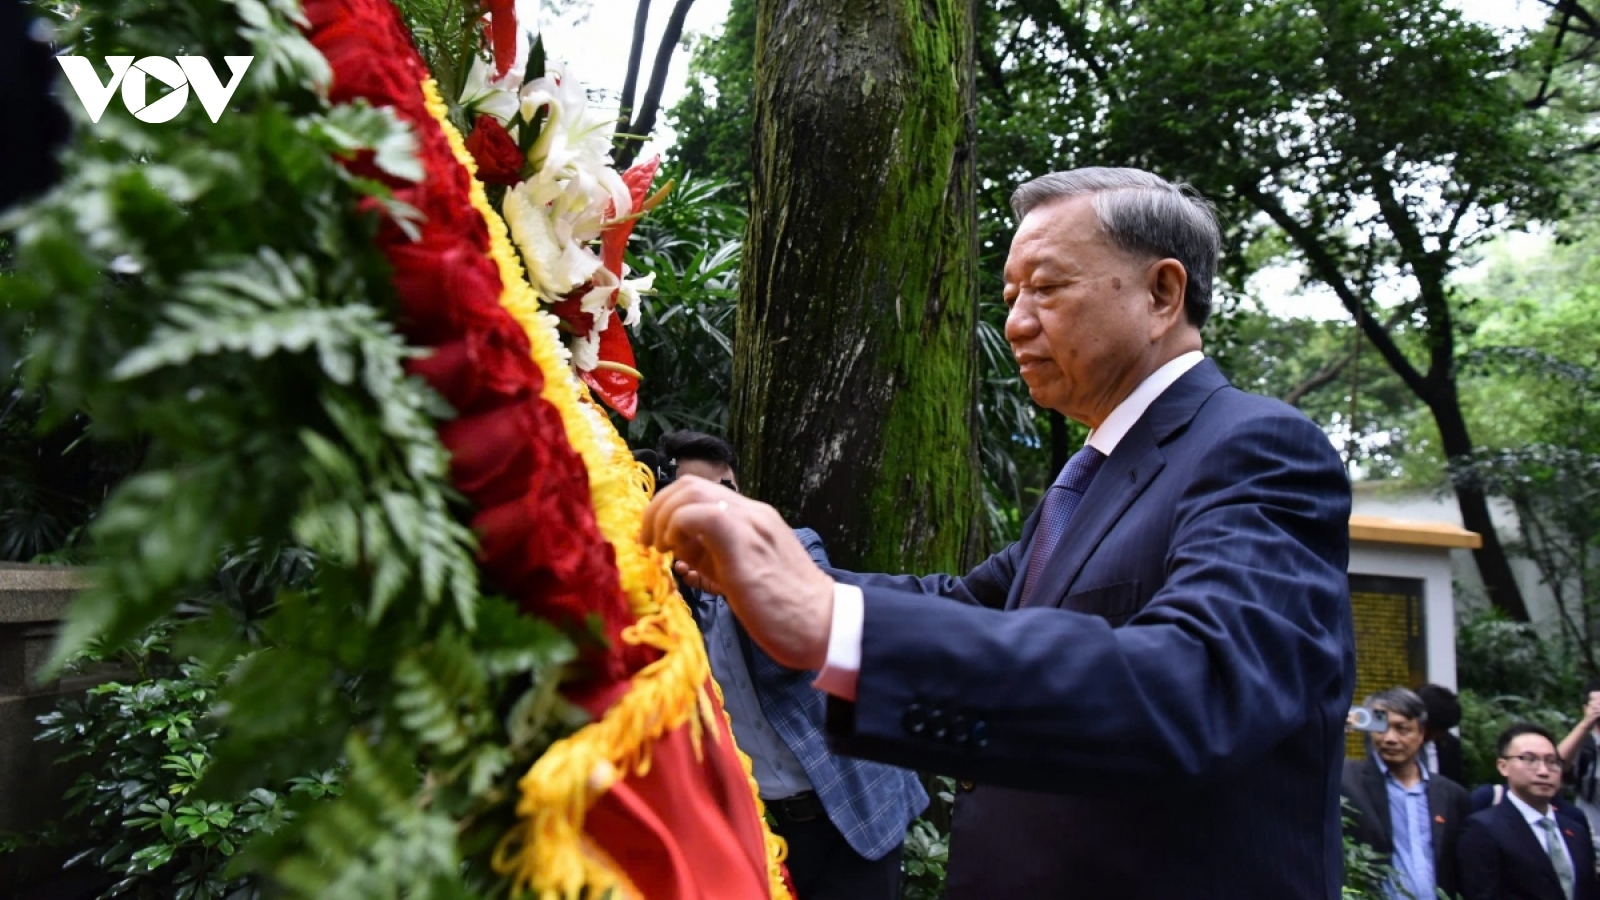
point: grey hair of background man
(1143, 215)
(1400, 701)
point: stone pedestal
(33, 601)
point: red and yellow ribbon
(637, 801)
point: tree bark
(630, 83)
(644, 118)
(855, 372)
(1494, 567)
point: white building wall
(1383, 499)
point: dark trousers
(825, 867)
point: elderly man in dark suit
(1524, 848)
(1410, 816)
(1148, 690)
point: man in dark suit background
(1149, 688)
(1442, 751)
(1524, 848)
(1410, 816)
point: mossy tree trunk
(855, 368)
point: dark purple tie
(1060, 502)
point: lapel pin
(1439, 819)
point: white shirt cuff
(839, 676)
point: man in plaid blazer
(844, 819)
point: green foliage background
(684, 343)
(197, 305)
(1509, 674)
(149, 739)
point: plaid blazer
(870, 803)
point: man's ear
(1168, 281)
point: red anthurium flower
(615, 380)
(499, 160)
(503, 34)
(614, 239)
(619, 389)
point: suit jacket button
(965, 786)
(936, 723)
(915, 719)
(980, 734)
(960, 730)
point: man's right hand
(744, 551)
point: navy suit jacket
(1168, 720)
(1501, 858)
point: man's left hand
(744, 551)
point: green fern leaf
(442, 695)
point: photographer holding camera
(1410, 816)
(844, 819)
(1581, 750)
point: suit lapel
(1438, 808)
(1132, 466)
(1378, 790)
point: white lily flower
(628, 297)
(483, 94)
(597, 299)
(621, 197)
(575, 140)
(558, 214)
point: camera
(666, 470)
(1373, 721)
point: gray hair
(1143, 214)
(1401, 701)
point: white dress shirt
(1533, 816)
(843, 668)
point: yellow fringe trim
(546, 853)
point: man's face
(1536, 784)
(1399, 745)
(710, 471)
(1083, 322)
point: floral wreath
(557, 494)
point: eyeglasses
(1532, 760)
